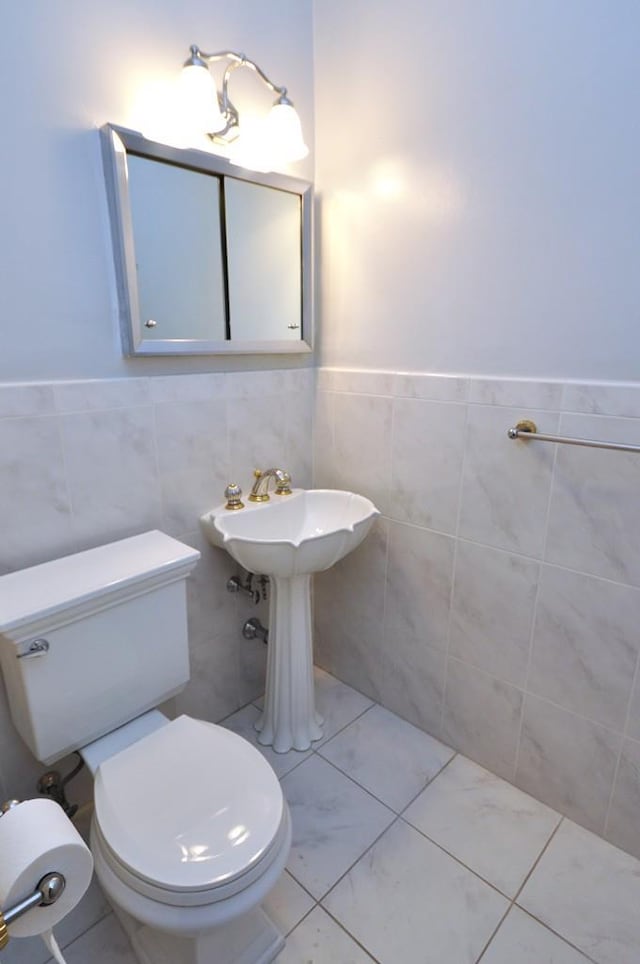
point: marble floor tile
(334, 822)
(287, 903)
(338, 703)
(407, 901)
(522, 940)
(319, 940)
(242, 723)
(106, 943)
(493, 828)
(391, 759)
(588, 891)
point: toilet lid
(188, 807)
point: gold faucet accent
(259, 492)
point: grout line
(513, 899)
(454, 567)
(625, 728)
(324, 741)
(428, 783)
(557, 934)
(539, 858)
(349, 934)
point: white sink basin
(289, 538)
(296, 534)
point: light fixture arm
(238, 60)
(284, 123)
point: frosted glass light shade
(284, 132)
(252, 148)
(200, 99)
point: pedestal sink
(289, 538)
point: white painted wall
(478, 164)
(68, 68)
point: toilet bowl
(190, 829)
(203, 836)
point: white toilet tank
(109, 626)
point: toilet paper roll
(37, 838)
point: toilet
(190, 829)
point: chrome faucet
(259, 492)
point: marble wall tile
(506, 484)
(35, 509)
(362, 382)
(362, 435)
(112, 473)
(257, 437)
(492, 610)
(28, 398)
(427, 450)
(521, 392)
(418, 588)
(188, 388)
(193, 460)
(585, 644)
(633, 722)
(602, 399)
(594, 525)
(102, 393)
(349, 610)
(299, 450)
(414, 676)
(567, 761)
(215, 638)
(256, 384)
(623, 826)
(482, 717)
(323, 444)
(416, 619)
(326, 379)
(440, 388)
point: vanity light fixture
(276, 139)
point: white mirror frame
(116, 141)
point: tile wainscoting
(88, 462)
(497, 602)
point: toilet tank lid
(75, 581)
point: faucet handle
(283, 484)
(232, 494)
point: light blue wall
(478, 165)
(68, 68)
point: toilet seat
(189, 815)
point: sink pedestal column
(289, 720)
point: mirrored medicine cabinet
(209, 258)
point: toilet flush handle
(39, 647)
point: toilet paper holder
(47, 892)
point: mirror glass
(209, 257)
(263, 251)
(175, 215)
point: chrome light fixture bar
(215, 114)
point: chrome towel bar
(527, 429)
